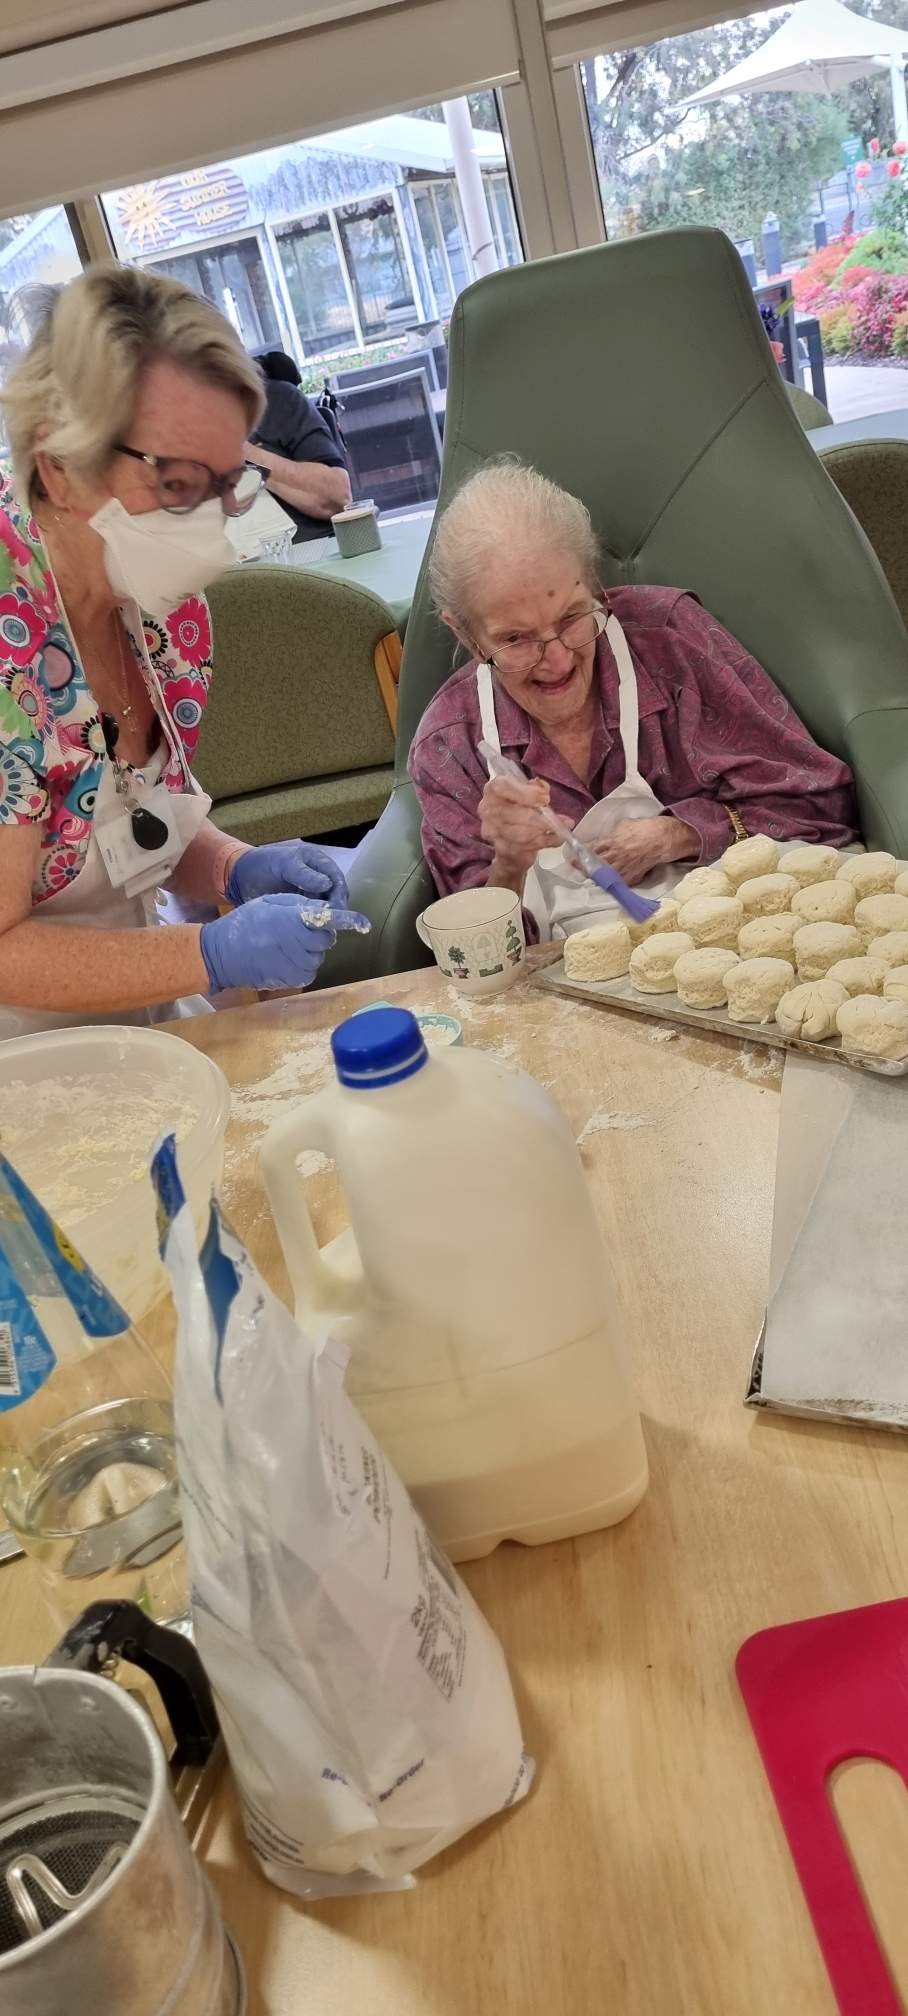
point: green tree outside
(754, 155)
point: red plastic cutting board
(818, 1693)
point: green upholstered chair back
(810, 411)
(873, 479)
(638, 375)
(295, 694)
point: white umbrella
(822, 46)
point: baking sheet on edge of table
(667, 1008)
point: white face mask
(161, 557)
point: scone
(876, 914)
(652, 967)
(712, 920)
(768, 937)
(809, 1010)
(702, 882)
(864, 975)
(870, 1027)
(756, 986)
(825, 903)
(891, 948)
(756, 856)
(895, 985)
(869, 874)
(810, 864)
(767, 895)
(663, 919)
(700, 976)
(601, 953)
(818, 946)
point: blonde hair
(504, 507)
(74, 392)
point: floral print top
(51, 739)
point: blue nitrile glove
(267, 943)
(286, 864)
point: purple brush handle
(640, 908)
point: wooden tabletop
(647, 1873)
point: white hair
(504, 507)
(73, 394)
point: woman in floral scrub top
(52, 751)
(127, 419)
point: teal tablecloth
(889, 426)
(390, 573)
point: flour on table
(602, 1122)
(301, 1070)
(757, 1064)
(311, 1162)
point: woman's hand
(267, 944)
(637, 845)
(285, 867)
(510, 824)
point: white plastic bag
(364, 1700)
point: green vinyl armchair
(638, 375)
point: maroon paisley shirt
(714, 732)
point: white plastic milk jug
(484, 1328)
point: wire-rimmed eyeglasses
(576, 634)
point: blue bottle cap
(378, 1049)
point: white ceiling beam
(180, 34)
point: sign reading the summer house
(202, 203)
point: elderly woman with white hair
(128, 419)
(632, 714)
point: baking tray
(668, 1008)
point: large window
(504, 220)
(459, 262)
(36, 252)
(385, 292)
(311, 258)
(233, 278)
(812, 187)
(348, 252)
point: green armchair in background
(639, 376)
(296, 738)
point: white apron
(560, 898)
(92, 900)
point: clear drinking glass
(88, 1477)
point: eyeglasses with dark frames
(182, 485)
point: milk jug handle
(295, 1230)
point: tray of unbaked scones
(800, 947)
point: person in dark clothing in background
(305, 468)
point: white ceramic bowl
(79, 1112)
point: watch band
(738, 827)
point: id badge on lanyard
(130, 867)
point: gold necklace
(128, 706)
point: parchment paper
(837, 1325)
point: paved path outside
(855, 389)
